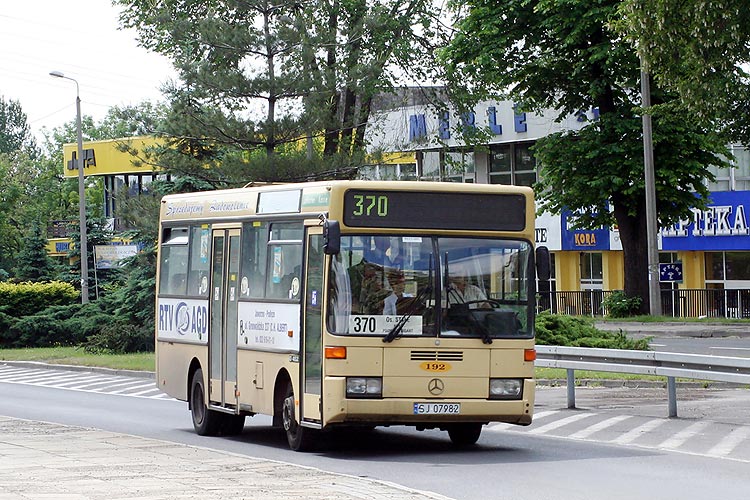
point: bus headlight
(364, 387)
(506, 388)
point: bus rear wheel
(205, 421)
(464, 434)
(299, 438)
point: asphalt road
(602, 450)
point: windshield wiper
(396, 330)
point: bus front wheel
(299, 438)
(464, 434)
(206, 422)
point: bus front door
(312, 358)
(225, 291)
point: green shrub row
(577, 331)
(25, 299)
(75, 325)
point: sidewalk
(677, 329)
(41, 460)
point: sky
(81, 39)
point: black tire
(205, 421)
(299, 438)
(232, 425)
(464, 434)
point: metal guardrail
(666, 364)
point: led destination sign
(433, 210)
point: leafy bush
(56, 325)
(119, 338)
(576, 331)
(26, 299)
(620, 305)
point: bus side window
(200, 244)
(174, 259)
(253, 265)
(284, 270)
(284, 261)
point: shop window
(431, 166)
(729, 269)
(668, 258)
(591, 271)
(742, 170)
(459, 167)
(512, 164)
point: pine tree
(33, 263)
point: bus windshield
(392, 286)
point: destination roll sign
(434, 210)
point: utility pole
(654, 291)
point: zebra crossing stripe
(637, 432)
(543, 414)
(584, 433)
(559, 423)
(24, 375)
(153, 389)
(730, 442)
(132, 388)
(679, 439)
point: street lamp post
(81, 194)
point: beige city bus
(349, 304)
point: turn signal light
(529, 354)
(335, 352)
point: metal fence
(676, 303)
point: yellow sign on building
(110, 157)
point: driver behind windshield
(461, 291)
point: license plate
(437, 408)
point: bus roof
(324, 197)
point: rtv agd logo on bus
(184, 319)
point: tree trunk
(348, 121)
(361, 124)
(635, 251)
(331, 145)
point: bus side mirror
(542, 264)
(331, 237)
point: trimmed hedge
(577, 331)
(26, 299)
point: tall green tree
(15, 133)
(699, 49)
(565, 56)
(31, 193)
(32, 262)
(265, 76)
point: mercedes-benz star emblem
(435, 386)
